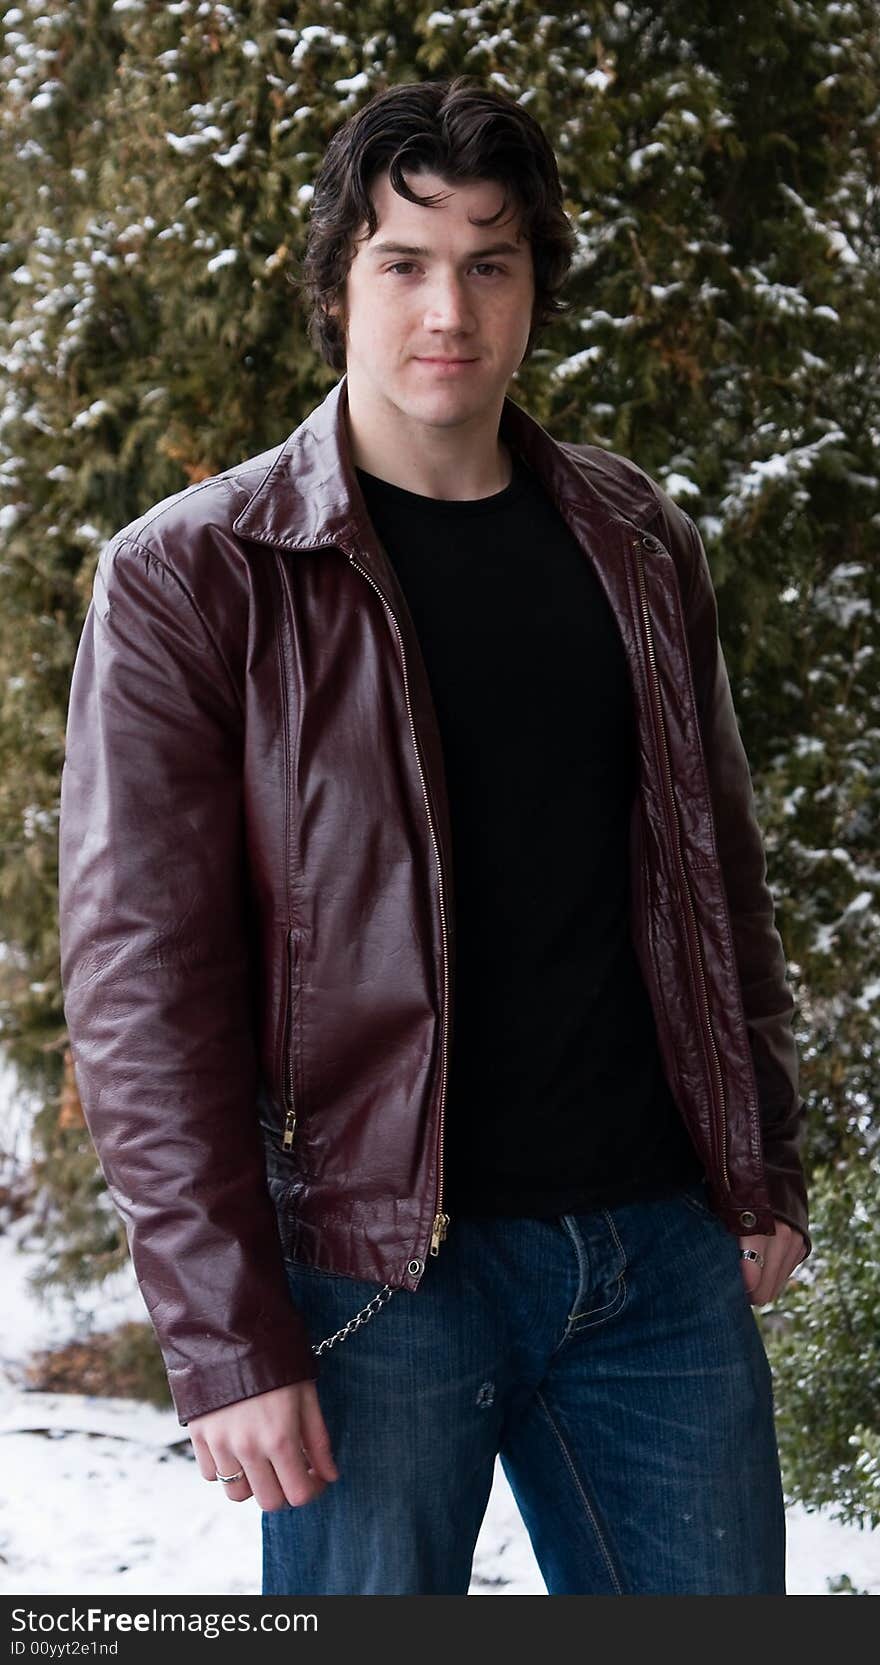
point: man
(428, 1011)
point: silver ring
(752, 1254)
(228, 1478)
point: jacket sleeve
(768, 1000)
(156, 976)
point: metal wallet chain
(362, 1317)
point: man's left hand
(782, 1253)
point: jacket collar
(310, 495)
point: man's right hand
(278, 1438)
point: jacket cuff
(199, 1388)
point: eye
(486, 265)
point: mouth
(448, 363)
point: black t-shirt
(556, 1096)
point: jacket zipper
(290, 1105)
(441, 1220)
(373, 1306)
(693, 934)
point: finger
(204, 1459)
(238, 1491)
(789, 1266)
(299, 1483)
(264, 1484)
(752, 1271)
(784, 1254)
(764, 1283)
(316, 1438)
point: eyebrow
(475, 254)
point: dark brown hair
(455, 128)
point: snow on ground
(103, 1496)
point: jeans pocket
(697, 1197)
(367, 1288)
(294, 1267)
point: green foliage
(82, 1236)
(722, 170)
(826, 1355)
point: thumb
(315, 1438)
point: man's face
(462, 297)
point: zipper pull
(289, 1125)
(441, 1221)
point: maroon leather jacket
(257, 919)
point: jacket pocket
(287, 1073)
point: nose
(447, 306)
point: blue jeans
(611, 1360)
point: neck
(463, 462)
